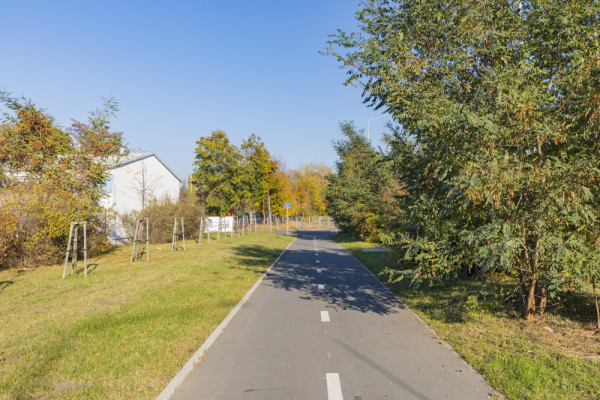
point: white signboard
(212, 224)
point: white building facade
(140, 177)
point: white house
(136, 178)
(140, 177)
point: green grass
(557, 357)
(125, 330)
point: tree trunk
(528, 287)
(530, 282)
(542, 298)
(529, 312)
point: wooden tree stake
(73, 234)
(201, 229)
(176, 235)
(137, 240)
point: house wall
(127, 182)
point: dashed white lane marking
(334, 387)
(318, 271)
(324, 316)
(321, 287)
(318, 261)
(316, 254)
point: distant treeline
(228, 179)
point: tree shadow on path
(346, 283)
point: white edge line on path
(189, 365)
(334, 387)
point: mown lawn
(557, 357)
(125, 330)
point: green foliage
(94, 145)
(499, 147)
(257, 170)
(357, 192)
(48, 178)
(217, 174)
(229, 179)
(475, 308)
(30, 143)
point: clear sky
(181, 69)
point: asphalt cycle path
(320, 326)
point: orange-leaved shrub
(35, 224)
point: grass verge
(125, 330)
(557, 357)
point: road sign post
(287, 219)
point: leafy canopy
(499, 108)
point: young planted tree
(500, 150)
(144, 185)
(94, 145)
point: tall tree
(31, 145)
(356, 191)
(217, 172)
(96, 148)
(309, 182)
(256, 170)
(500, 99)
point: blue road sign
(287, 205)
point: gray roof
(135, 157)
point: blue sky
(181, 69)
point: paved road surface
(331, 335)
